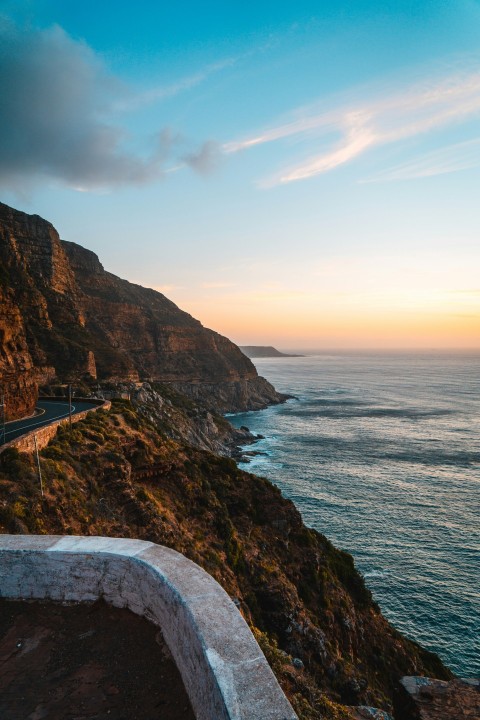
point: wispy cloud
(295, 127)
(460, 156)
(418, 109)
(358, 137)
(136, 99)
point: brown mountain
(64, 317)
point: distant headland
(263, 351)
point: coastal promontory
(65, 318)
(264, 351)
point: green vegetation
(302, 597)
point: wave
(349, 409)
(381, 454)
(375, 574)
(435, 458)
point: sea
(380, 452)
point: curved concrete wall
(224, 671)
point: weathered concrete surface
(224, 671)
(26, 443)
(429, 699)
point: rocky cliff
(17, 374)
(64, 315)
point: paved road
(51, 410)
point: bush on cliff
(302, 597)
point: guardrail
(223, 669)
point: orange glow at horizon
(421, 300)
(341, 322)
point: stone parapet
(223, 669)
(26, 443)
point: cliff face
(83, 321)
(18, 379)
(18, 376)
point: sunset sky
(298, 174)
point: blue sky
(302, 174)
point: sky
(298, 174)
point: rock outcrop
(73, 316)
(423, 698)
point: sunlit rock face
(18, 385)
(85, 322)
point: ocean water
(381, 453)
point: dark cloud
(56, 106)
(206, 159)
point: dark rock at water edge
(423, 698)
(264, 351)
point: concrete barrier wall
(223, 669)
(26, 443)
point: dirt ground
(85, 662)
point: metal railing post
(38, 464)
(70, 405)
(2, 420)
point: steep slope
(118, 473)
(82, 321)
